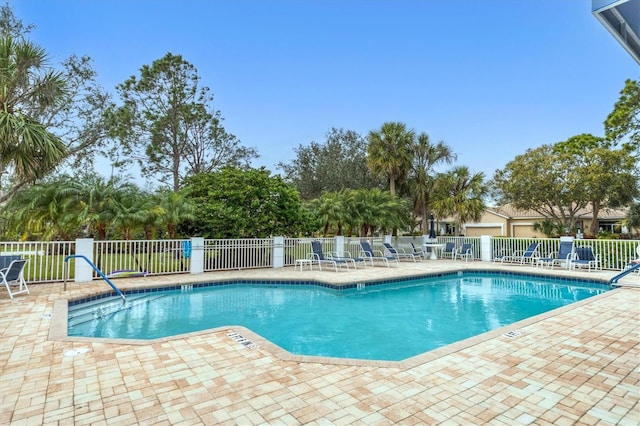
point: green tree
(338, 163)
(623, 123)
(377, 211)
(238, 203)
(550, 228)
(167, 125)
(608, 177)
(41, 211)
(175, 208)
(389, 152)
(11, 25)
(331, 210)
(361, 211)
(426, 156)
(67, 104)
(543, 180)
(28, 151)
(128, 217)
(96, 201)
(461, 194)
(633, 217)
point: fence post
(485, 248)
(278, 252)
(83, 271)
(197, 255)
(339, 245)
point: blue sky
(490, 78)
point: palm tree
(331, 210)
(633, 217)
(128, 216)
(461, 195)
(27, 86)
(425, 157)
(379, 211)
(42, 210)
(389, 152)
(175, 208)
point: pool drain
(74, 352)
(242, 340)
(513, 334)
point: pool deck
(576, 365)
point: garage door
(479, 231)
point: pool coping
(58, 330)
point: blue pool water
(383, 322)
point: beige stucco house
(510, 222)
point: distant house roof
(509, 211)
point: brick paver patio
(577, 365)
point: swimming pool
(382, 321)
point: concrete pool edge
(59, 318)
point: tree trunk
(594, 222)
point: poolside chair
(14, 276)
(449, 250)
(346, 256)
(530, 255)
(5, 260)
(563, 257)
(399, 254)
(317, 256)
(422, 254)
(637, 259)
(466, 251)
(375, 255)
(586, 258)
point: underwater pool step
(89, 311)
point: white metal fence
(244, 253)
(155, 257)
(158, 257)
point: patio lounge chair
(563, 257)
(13, 275)
(375, 255)
(317, 257)
(399, 254)
(449, 250)
(633, 263)
(419, 252)
(586, 258)
(346, 255)
(637, 259)
(530, 255)
(465, 251)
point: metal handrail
(95, 268)
(627, 271)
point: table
(303, 262)
(434, 247)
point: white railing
(405, 243)
(155, 257)
(159, 257)
(244, 253)
(46, 259)
(614, 254)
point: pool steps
(100, 308)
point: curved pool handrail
(95, 268)
(627, 271)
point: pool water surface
(389, 322)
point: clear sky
(490, 78)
